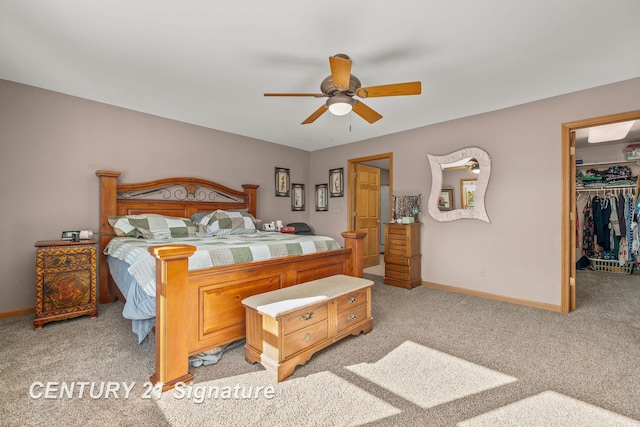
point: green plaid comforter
(214, 251)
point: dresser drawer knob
(306, 337)
(353, 299)
(307, 316)
(354, 316)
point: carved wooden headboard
(180, 197)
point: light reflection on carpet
(320, 399)
(427, 377)
(549, 409)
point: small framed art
(297, 197)
(322, 191)
(336, 180)
(467, 193)
(445, 201)
(282, 182)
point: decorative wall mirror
(448, 170)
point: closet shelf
(606, 187)
(612, 162)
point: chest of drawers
(287, 326)
(402, 255)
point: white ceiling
(209, 62)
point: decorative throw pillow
(152, 226)
(220, 223)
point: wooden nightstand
(65, 280)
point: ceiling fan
(341, 86)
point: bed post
(108, 207)
(250, 189)
(172, 312)
(354, 240)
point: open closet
(607, 238)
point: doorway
(569, 205)
(369, 177)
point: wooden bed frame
(202, 309)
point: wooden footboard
(202, 309)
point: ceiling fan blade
(397, 89)
(366, 112)
(340, 71)
(317, 95)
(312, 118)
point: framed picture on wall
(297, 197)
(282, 182)
(445, 201)
(467, 193)
(322, 192)
(336, 179)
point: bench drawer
(305, 337)
(304, 317)
(352, 316)
(347, 302)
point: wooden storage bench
(285, 327)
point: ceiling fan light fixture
(340, 104)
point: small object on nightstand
(66, 283)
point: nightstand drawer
(69, 259)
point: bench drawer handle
(306, 337)
(354, 316)
(353, 299)
(307, 316)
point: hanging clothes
(588, 230)
(601, 213)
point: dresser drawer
(396, 250)
(398, 231)
(398, 267)
(397, 275)
(388, 259)
(346, 302)
(352, 316)
(304, 317)
(305, 337)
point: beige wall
(52, 145)
(518, 255)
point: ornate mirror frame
(437, 162)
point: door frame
(351, 170)
(568, 284)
